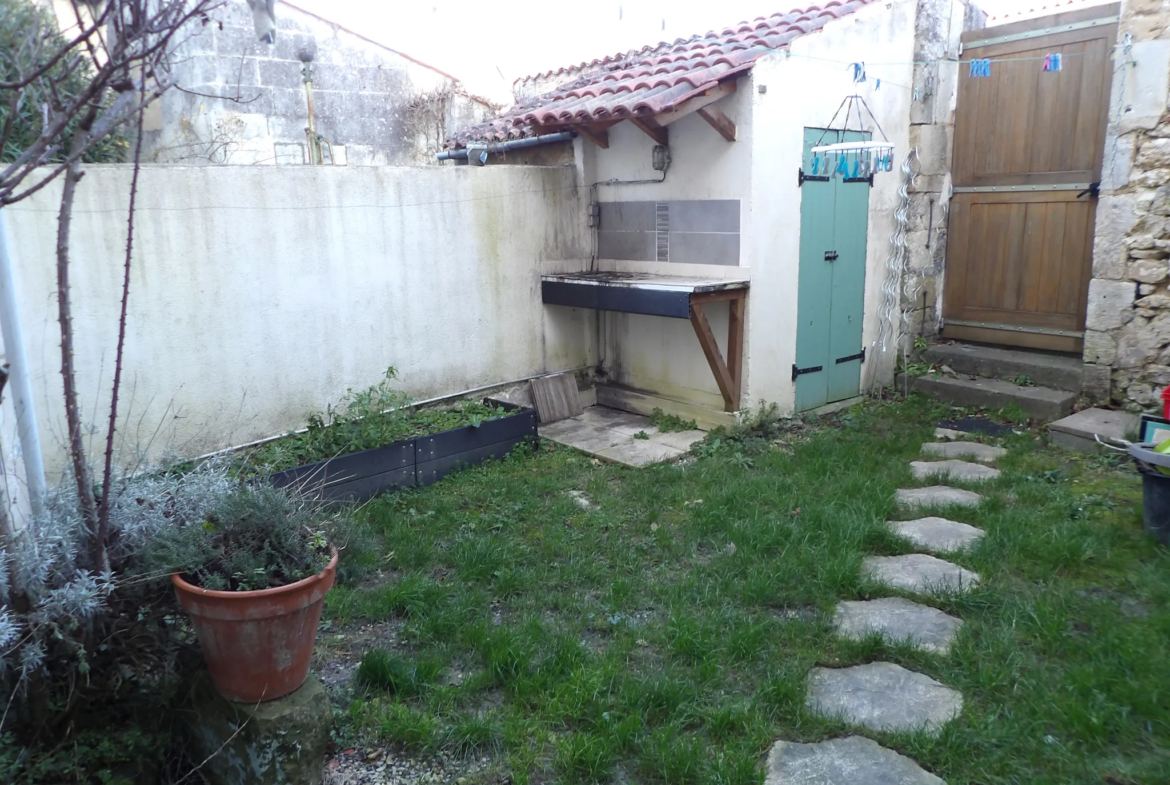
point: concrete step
(1046, 370)
(1041, 403)
(1081, 431)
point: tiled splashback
(700, 231)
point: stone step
(959, 471)
(882, 696)
(1041, 403)
(919, 573)
(1058, 371)
(984, 453)
(853, 760)
(937, 535)
(936, 496)
(1078, 431)
(896, 619)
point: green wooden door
(834, 219)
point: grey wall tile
(705, 215)
(696, 248)
(627, 216)
(632, 246)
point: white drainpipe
(19, 382)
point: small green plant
(921, 344)
(364, 420)
(255, 538)
(918, 369)
(642, 435)
(670, 423)
(1024, 381)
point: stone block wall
(938, 26)
(1127, 326)
(243, 102)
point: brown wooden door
(1028, 144)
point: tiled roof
(654, 79)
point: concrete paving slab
(960, 471)
(679, 440)
(896, 619)
(579, 435)
(950, 434)
(853, 760)
(984, 453)
(626, 423)
(936, 496)
(1077, 431)
(883, 696)
(937, 535)
(639, 452)
(919, 573)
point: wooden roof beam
(651, 129)
(721, 90)
(719, 121)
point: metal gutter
(482, 150)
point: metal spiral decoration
(892, 319)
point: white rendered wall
(760, 169)
(657, 354)
(804, 90)
(260, 294)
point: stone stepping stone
(936, 496)
(883, 696)
(853, 760)
(919, 573)
(949, 434)
(962, 471)
(937, 535)
(984, 453)
(897, 619)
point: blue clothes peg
(843, 167)
(856, 168)
(816, 164)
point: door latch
(1093, 191)
(830, 256)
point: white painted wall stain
(261, 294)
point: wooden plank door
(1028, 152)
(834, 218)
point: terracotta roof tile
(653, 79)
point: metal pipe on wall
(19, 380)
(512, 144)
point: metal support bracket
(799, 371)
(859, 356)
(802, 178)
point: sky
(488, 46)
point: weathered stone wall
(243, 102)
(932, 130)
(1127, 329)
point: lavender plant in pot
(253, 575)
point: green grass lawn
(666, 634)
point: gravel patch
(378, 765)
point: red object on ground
(1166, 403)
(257, 644)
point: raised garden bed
(415, 461)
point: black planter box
(413, 462)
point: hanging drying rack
(868, 156)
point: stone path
(984, 453)
(956, 470)
(896, 619)
(919, 573)
(937, 496)
(854, 759)
(882, 696)
(937, 535)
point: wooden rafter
(695, 104)
(599, 136)
(651, 129)
(719, 121)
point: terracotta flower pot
(257, 644)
